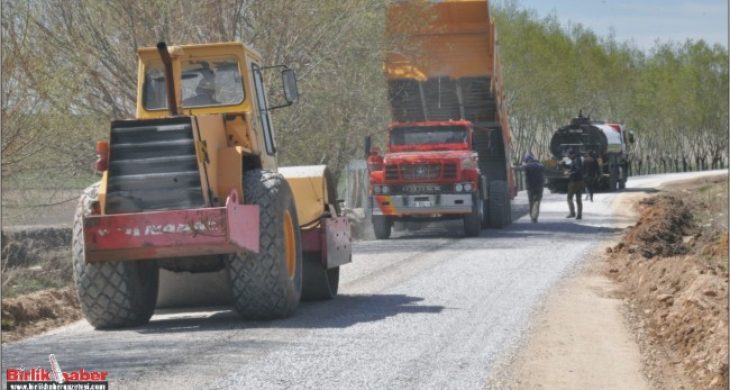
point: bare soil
(579, 341)
(35, 313)
(672, 267)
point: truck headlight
(458, 187)
(467, 187)
(386, 189)
(376, 189)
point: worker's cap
(528, 157)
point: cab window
(205, 83)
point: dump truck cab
(429, 170)
(192, 185)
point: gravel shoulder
(585, 335)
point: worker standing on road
(535, 181)
(576, 185)
(590, 169)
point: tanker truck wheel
(319, 283)
(499, 204)
(382, 226)
(112, 294)
(268, 284)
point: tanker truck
(609, 142)
(449, 145)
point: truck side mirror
(289, 79)
(368, 145)
(631, 136)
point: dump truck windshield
(428, 135)
(204, 84)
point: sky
(641, 21)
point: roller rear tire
(319, 283)
(268, 285)
(114, 294)
(382, 226)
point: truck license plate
(422, 203)
(415, 188)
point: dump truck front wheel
(268, 284)
(473, 221)
(112, 294)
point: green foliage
(675, 96)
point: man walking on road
(575, 184)
(535, 181)
(590, 169)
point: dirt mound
(37, 312)
(662, 230)
(673, 267)
(683, 305)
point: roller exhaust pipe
(169, 83)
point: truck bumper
(426, 204)
(172, 233)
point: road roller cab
(192, 184)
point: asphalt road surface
(422, 310)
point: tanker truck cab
(429, 171)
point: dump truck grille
(449, 171)
(152, 166)
(420, 171)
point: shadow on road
(342, 312)
(407, 240)
(647, 190)
(527, 228)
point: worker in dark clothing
(535, 181)
(576, 184)
(590, 170)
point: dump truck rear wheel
(499, 204)
(112, 294)
(319, 282)
(382, 226)
(269, 284)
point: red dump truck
(449, 146)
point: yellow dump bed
(453, 38)
(445, 65)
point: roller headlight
(458, 187)
(467, 187)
